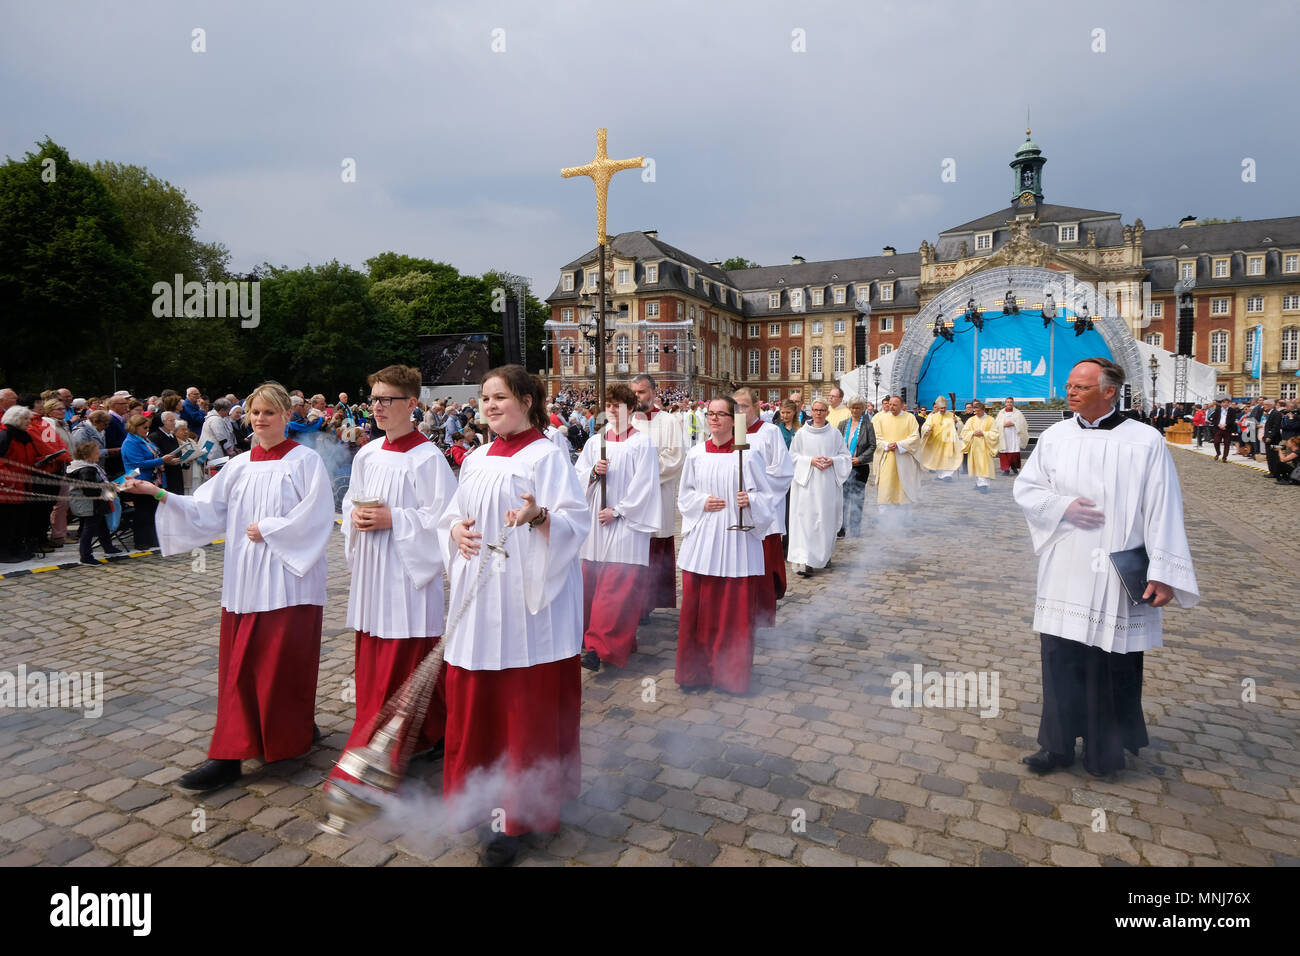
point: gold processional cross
(601, 169)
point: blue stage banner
(1256, 363)
(1012, 355)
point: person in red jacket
(18, 456)
(1198, 425)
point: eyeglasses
(718, 415)
(386, 400)
(1077, 388)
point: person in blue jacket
(140, 453)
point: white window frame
(840, 326)
(773, 395)
(566, 355)
(774, 300)
(796, 328)
(774, 329)
(818, 297)
(839, 355)
(1068, 232)
(796, 361)
(566, 282)
(796, 298)
(886, 323)
(1254, 303)
(652, 347)
(754, 330)
(815, 361)
(840, 292)
(1219, 346)
(1254, 265)
(1291, 263)
(681, 310)
(592, 279)
(690, 278)
(622, 276)
(817, 328)
(622, 350)
(1220, 306)
(1287, 390)
(1186, 269)
(983, 241)
(566, 315)
(774, 363)
(755, 359)
(713, 322)
(1222, 268)
(1157, 339)
(652, 309)
(884, 349)
(886, 292)
(1155, 310)
(704, 285)
(1290, 350)
(652, 273)
(1252, 389)
(1290, 302)
(1249, 346)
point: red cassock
(715, 643)
(772, 585)
(266, 693)
(660, 588)
(612, 594)
(382, 666)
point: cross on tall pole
(601, 170)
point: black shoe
(1006, 473)
(591, 661)
(114, 551)
(804, 573)
(840, 533)
(87, 561)
(210, 776)
(316, 735)
(501, 850)
(1045, 761)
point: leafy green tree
(739, 262)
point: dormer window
(774, 300)
(840, 292)
(1221, 268)
(690, 278)
(566, 282)
(652, 273)
(886, 291)
(983, 241)
(1068, 233)
(621, 277)
(818, 297)
(1255, 266)
(591, 280)
(796, 298)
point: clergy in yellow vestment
(941, 442)
(980, 438)
(895, 471)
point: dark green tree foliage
(739, 262)
(68, 283)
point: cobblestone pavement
(815, 767)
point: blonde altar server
(895, 471)
(765, 440)
(1097, 484)
(665, 433)
(276, 510)
(941, 443)
(1013, 435)
(514, 684)
(395, 599)
(721, 568)
(980, 438)
(821, 466)
(616, 554)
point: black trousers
(142, 527)
(92, 527)
(1095, 695)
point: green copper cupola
(1027, 167)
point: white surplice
(1128, 472)
(708, 547)
(530, 611)
(290, 500)
(768, 443)
(631, 489)
(665, 433)
(816, 498)
(396, 589)
(1012, 437)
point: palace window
(886, 292)
(1220, 268)
(713, 322)
(796, 298)
(1156, 339)
(818, 297)
(591, 280)
(774, 329)
(1290, 302)
(839, 295)
(652, 346)
(652, 273)
(796, 361)
(1187, 270)
(566, 356)
(839, 325)
(884, 349)
(566, 315)
(566, 282)
(1068, 234)
(681, 311)
(1287, 391)
(713, 359)
(621, 350)
(886, 323)
(753, 361)
(983, 242)
(839, 355)
(1255, 303)
(622, 277)
(796, 328)
(704, 286)
(774, 363)
(1290, 344)
(692, 313)
(1252, 389)
(774, 300)
(690, 278)
(1218, 307)
(816, 362)
(753, 330)
(816, 328)
(1219, 348)
(1155, 310)
(1255, 266)
(773, 395)
(1291, 262)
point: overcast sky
(759, 150)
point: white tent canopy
(861, 381)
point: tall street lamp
(1154, 365)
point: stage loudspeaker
(1186, 325)
(514, 348)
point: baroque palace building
(801, 326)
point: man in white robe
(395, 601)
(665, 433)
(616, 552)
(1013, 435)
(766, 442)
(559, 434)
(821, 466)
(1097, 484)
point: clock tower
(1027, 183)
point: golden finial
(601, 169)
